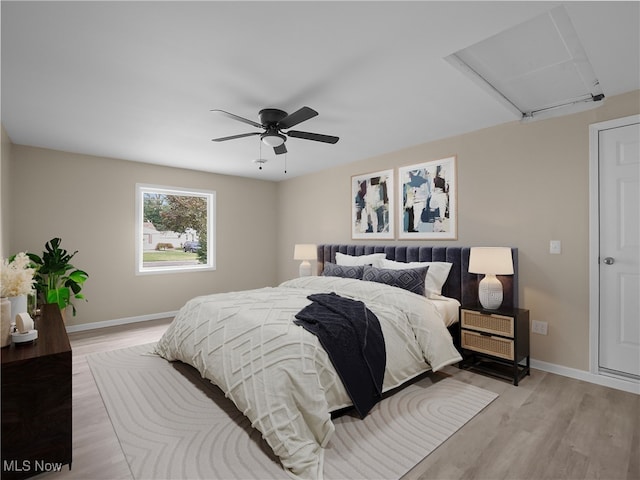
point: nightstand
(495, 341)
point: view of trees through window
(173, 229)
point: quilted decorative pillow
(411, 279)
(345, 271)
(436, 276)
(374, 259)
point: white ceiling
(537, 66)
(137, 80)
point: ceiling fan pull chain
(285, 163)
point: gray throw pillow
(411, 279)
(345, 271)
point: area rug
(172, 424)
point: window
(175, 229)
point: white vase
(5, 322)
(18, 305)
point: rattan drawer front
(496, 346)
(496, 324)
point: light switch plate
(555, 247)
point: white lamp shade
(304, 251)
(493, 260)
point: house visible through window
(175, 229)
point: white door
(619, 267)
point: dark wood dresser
(36, 401)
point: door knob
(609, 261)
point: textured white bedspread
(278, 374)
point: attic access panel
(535, 67)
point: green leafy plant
(57, 280)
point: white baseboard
(604, 380)
(119, 321)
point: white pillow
(373, 259)
(436, 275)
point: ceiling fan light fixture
(272, 139)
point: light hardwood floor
(549, 427)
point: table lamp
(490, 261)
(304, 252)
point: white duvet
(278, 374)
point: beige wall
(5, 197)
(89, 203)
(519, 184)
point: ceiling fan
(274, 121)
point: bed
(251, 343)
(460, 284)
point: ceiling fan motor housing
(269, 117)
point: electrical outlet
(555, 247)
(539, 327)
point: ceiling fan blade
(233, 137)
(313, 136)
(299, 116)
(240, 119)
(280, 149)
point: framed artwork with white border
(427, 195)
(372, 209)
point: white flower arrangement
(16, 276)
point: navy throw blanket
(351, 335)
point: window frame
(210, 197)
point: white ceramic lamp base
(490, 292)
(305, 269)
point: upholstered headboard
(460, 285)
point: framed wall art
(372, 211)
(427, 199)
